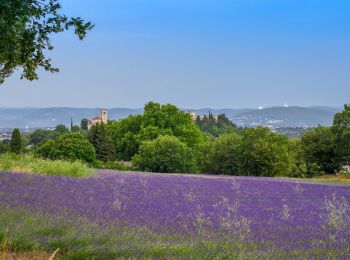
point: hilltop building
(193, 115)
(102, 119)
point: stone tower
(104, 116)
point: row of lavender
(289, 215)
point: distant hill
(271, 117)
(50, 117)
(287, 117)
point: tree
(222, 155)
(40, 136)
(75, 129)
(71, 124)
(320, 151)
(99, 138)
(84, 125)
(4, 148)
(165, 154)
(341, 134)
(69, 146)
(47, 150)
(61, 129)
(128, 134)
(25, 30)
(299, 169)
(124, 136)
(216, 126)
(263, 153)
(16, 143)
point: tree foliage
(128, 134)
(40, 136)
(4, 148)
(99, 138)
(165, 154)
(320, 151)
(61, 129)
(25, 30)
(69, 146)
(341, 133)
(84, 125)
(264, 153)
(16, 142)
(222, 155)
(216, 126)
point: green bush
(158, 120)
(4, 148)
(29, 164)
(165, 154)
(222, 155)
(263, 153)
(320, 151)
(70, 146)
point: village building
(102, 119)
(193, 115)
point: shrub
(222, 155)
(165, 154)
(320, 150)
(4, 148)
(263, 153)
(39, 136)
(47, 150)
(70, 146)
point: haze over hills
(272, 117)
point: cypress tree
(15, 144)
(102, 143)
(71, 124)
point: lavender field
(183, 215)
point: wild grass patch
(30, 164)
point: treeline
(216, 125)
(166, 139)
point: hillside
(286, 117)
(272, 117)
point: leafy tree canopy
(341, 132)
(25, 30)
(216, 125)
(84, 125)
(4, 148)
(263, 153)
(320, 151)
(157, 120)
(222, 155)
(69, 146)
(40, 136)
(165, 154)
(61, 129)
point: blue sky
(197, 53)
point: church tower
(104, 116)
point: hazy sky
(197, 53)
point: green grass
(23, 231)
(30, 164)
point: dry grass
(25, 256)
